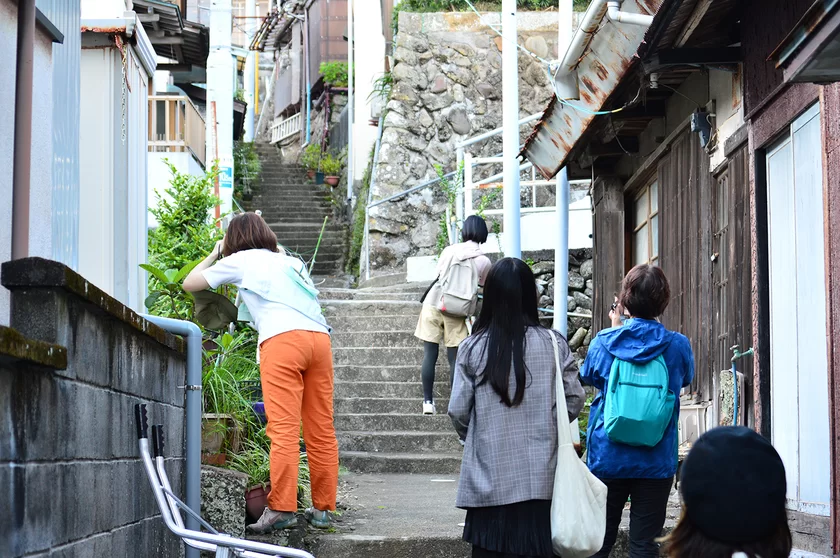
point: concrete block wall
(71, 370)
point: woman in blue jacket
(645, 474)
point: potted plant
(311, 158)
(332, 169)
(254, 462)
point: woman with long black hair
(503, 406)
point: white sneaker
(428, 408)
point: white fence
(538, 211)
(283, 129)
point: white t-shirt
(267, 284)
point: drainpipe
(23, 128)
(308, 77)
(510, 137)
(192, 334)
(617, 16)
(566, 76)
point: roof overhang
(128, 26)
(186, 43)
(811, 51)
(609, 56)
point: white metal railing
(283, 129)
(493, 182)
(175, 125)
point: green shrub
(311, 156)
(357, 235)
(335, 73)
(331, 166)
(246, 167)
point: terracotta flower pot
(215, 459)
(332, 180)
(256, 499)
(310, 174)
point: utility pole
(510, 136)
(220, 90)
(250, 69)
(561, 248)
(350, 112)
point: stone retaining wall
(71, 371)
(447, 87)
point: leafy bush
(246, 167)
(186, 232)
(335, 73)
(331, 166)
(311, 156)
(357, 235)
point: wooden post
(608, 246)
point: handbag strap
(564, 435)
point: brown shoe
(271, 520)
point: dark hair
(249, 231)
(475, 229)
(687, 541)
(645, 292)
(508, 310)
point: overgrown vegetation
(331, 166)
(382, 87)
(450, 190)
(357, 235)
(230, 374)
(482, 6)
(335, 73)
(246, 168)
(311, 157)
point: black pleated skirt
(521, 530)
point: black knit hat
(733, 486)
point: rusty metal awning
(608, 57)
(811, 51)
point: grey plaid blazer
(510, 453)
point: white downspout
(613, 7)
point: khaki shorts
(434, 325)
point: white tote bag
(579, 503)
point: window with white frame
(645, 239)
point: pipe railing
(459, 201)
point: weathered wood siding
(685, 201)
(608, 241)
(733, 267)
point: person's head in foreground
(733, 496)
(249, 231)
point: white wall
(113, 213)
(159, 175)
(370, 64)
(725, 89)
(40, 218)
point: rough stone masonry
(447, 87)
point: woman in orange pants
(295, 363)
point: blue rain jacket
(636, 341)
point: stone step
(390, 422)
(362, 323)
(378, 374)
(383, 356)
(351, 294)
(399, 390)
(351, 308)
(375, 339)
(384, 406)
(348, 545)
(399, 442)
(327, 281)
(419, 463)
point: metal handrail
(460, 204)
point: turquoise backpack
(638, 404)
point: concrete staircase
(378, 393)
(295, 210)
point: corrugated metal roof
(609, 55)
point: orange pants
(297, 379)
